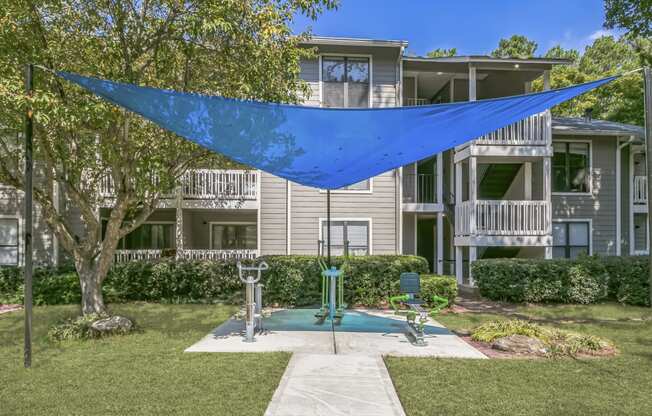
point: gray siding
(600, 204)
(309, 205)
(273, 214)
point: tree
(634, 16)
(442, 53)
(518, 46)
(242, 49)
(617, 101)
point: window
(570, 239)
(570, 167)
(345, 81)
(8, 241)
(149, 236)
(347, 237)
(233, 236)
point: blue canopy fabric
(323, 147)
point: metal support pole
(29, 164)
(328, 227)
(647, 72)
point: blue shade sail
(323, 147)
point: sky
(474, 27)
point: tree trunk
(91, 287)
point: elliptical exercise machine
(253, 298)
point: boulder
(519, 344)
(113, 325)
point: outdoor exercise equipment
(332, 293)
(253, 298)
(410, 287)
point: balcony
(498, 218)
(123, 256)
(639, 194)
(419, 193)
(530, 137)
(203, 187)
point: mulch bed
(10, 308)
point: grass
(614, 386)
(143, 373)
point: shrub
(290, 280)
(557, 342)
(75, 328)
(584, 280)
(628, 279)
(443, 286)
(493, 330)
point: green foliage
(557, 342)
(498, 329)
(51, 286)
(634, 16)
(518, 46)
(583, 281)
(442, 53)
(75, 328)
(290, 280)
(619, 100)
(441, 286)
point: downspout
(398, 185)
(619, 149)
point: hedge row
(290, 280)
(584, 280)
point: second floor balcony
(502, 218)
(236, 187)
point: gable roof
(592, 127)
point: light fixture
(440, 73)
(516, 66)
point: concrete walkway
(335, 385)
(341, 372)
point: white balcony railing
(504, 218)
(416, 101)
(206, 184)
(532, 131)
(123, 256)
(217, 254)
(640, 190)
(225, 184)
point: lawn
(143, 373)
(613, 386)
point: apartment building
(543, 187)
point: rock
(463, 332)
(520, 344)
(113, 325)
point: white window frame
(19, 250)
(585, 220)
(322, 222)
(590, 177)
(210, 232)
(353, 191)
(343, 55)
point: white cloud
(600, 33)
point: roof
(328, 40)
(487, 59)
(582, 126)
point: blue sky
(473, 26)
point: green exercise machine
(410, 286)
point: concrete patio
(361, 332)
